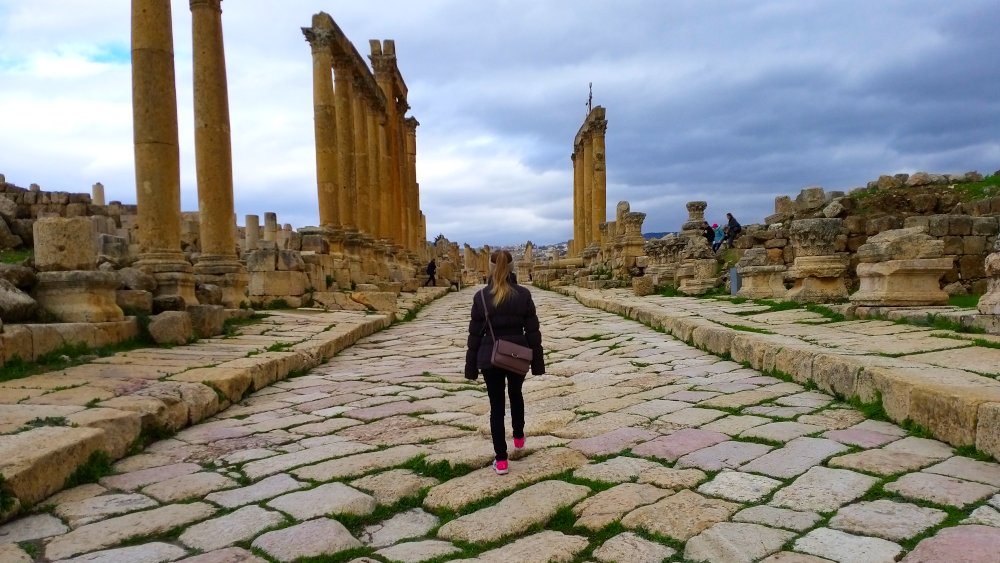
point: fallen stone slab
(735, 542)
(480, 484)
(514, 514)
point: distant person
(718, 237)
(512, 316)
(733, 229)
(431, 274)
(708, 232)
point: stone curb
(956, 406)
(36, 463)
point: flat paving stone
(795, 458)
(107, 533)
(846, 548)
(739, 487)
(97, 508)
(781, 431)
(155, 552)
(542, 547)
(224, 531)
(281, 463)
(735, 424)
(679, 443)
(670, 478)
(482, 483)
(975, 544)
(860, 437)
(723, 455)
(412, 523)
(968, 469)
(735, 542)
(823, 490)
(359, 464)
(331, 498)
(514, 514)
(632, 548)
(693, 416)
(609, 506)
(264, 489)
(228, 555)
(895, 521)
(12, 553)
(680, 516)
(833, 419)
(656, 408)
(390, 487)
(322, 536)
(881, 462)
(940, 489)
(616, 470)
(984, 515)
(417, 551)
(921, 446)
(792, 557)
(137, 479)
(36, 526)
(612, 442)
(775, 517)
(188, 486)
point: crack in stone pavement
(639, 448)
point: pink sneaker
(518, 443)
(500, 467)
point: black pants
(495, 380)
(431, 280)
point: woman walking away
(512, 315)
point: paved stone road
(640, 448)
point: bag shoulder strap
(486, 312)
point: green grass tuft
(97, 465)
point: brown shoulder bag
(507, 355)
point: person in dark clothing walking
(708, 232)
(512, 313)
(733, 229)
(431, 272)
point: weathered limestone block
(134, 301)
(381, 301)
(262, 260)
(15, 305)
(818, 279)
(278, 283)
(171, 327)
(901, 244)
(642, 286)
(696, 276)
(207, 320)
(7, 238)
(901, 283)
(64, 244)
(760, 278)
(290, 261)
(22, 277)
(814, 237)
(112, 249)
(133, 278)
(79, 296)
(989, 304)
(810, 199)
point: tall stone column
(589, 233)
(217, 262)
(347, 196)
(412, 192)
(578, 215)
(363, 202)
(252, 233)
(374, 174)
(97, 194)
(404, 177)
(385, 175)
(600, 176)
(325, 124)
(270, 226)
(157, 156)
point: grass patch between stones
(97, 465)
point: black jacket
(515, 320)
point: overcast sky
(724, 101)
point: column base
(173, 274)
(227, 273)
(79, 296)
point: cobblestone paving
(640, 448)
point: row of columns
(589, 181)
(365, 146)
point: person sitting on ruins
(708, 232)
(719, 235)
(733, 229)
(512, 315)
(431, 272)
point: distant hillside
(650, 236)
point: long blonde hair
(501, 284)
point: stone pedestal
(762, 282)
(173, 275)
(989, 304)
(696, 215)
(642, 286)
(229, 275)
(696, 276)
(64, 244)
(902, 283)
(818, 279)
(79, 296)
